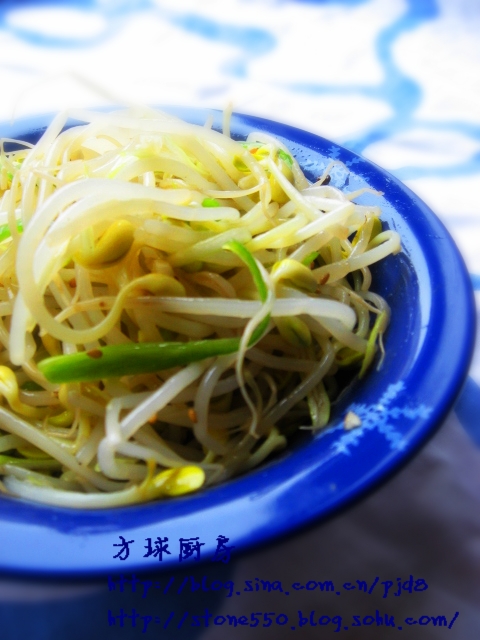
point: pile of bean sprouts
(173, 304)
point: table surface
(395, 80)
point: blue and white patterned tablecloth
(395, 80)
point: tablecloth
(395, 80)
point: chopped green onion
(235, 247)
(210, 202)
(286, 158)
(131, 359)
(307, 261)
(5, 230)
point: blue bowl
(428, 349)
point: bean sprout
(173, 303)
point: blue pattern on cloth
(252, 41)
(397, 89)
